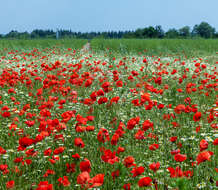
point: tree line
(203, 30)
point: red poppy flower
(147, 124)
(179, 108)
(140, 135)
(85, 181)
(70, 168)
(145, 97)
(133, 122)
(10, 184)
(203, 145)
(80, 129)
(160, 106)
(90, 118)
(173, 139)
(215, 142)
(130, 77)
(154, 166)
(64, 181)
(96, 181)
(100, 92)
(103, 135)
(2, 150)
(49, 172)
(79, 142)
(102, 100)
(93, 96)
(114, 139)
(115, 174)
(197, 129)
(6, 114)
(120, 149)
(44, 185)
(115, 99)
(105, 85)
(174, 173)
(153, 146)
(119, 83)
(174, 152)
(180, 157)
(197, 116)
(188, 173)
(11, 90)
(90, 128)
(109, 156)
(127, 186)
(144, 182)
(129, 161)
(135, 73)
(81, 120)
(137, 171)
(158, 80)
(88, 83)
(85, 166)
(25, 142)
(58, 150)
(3, 167)
(88, 101)
(175, 124)
(47, 152)
(76, 156)
(28, 161)
(203, 156)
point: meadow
(159, 47)
(127, 114)
(27, 45)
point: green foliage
(172, 33)
(6, 45)
(181, 183)
(184, 31)
(204, 30)
(181, 47)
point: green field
(125, 113)
(161, 47)
(25, 45)
(179, 47)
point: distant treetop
(203, 30)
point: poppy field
(71, 119)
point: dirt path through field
(86, 48)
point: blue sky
(104, 15)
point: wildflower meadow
(72, 119)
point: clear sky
(104, 15)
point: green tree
(172, 33)
(129, 35)
(159, 31)
(203, 30)
(149, 32)
(139, 33)
(184, 32)
(23, 35)
(12, 34)
(216, 35)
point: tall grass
(187, 47)
(7, 45)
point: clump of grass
(7, 45)
(165, 47)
